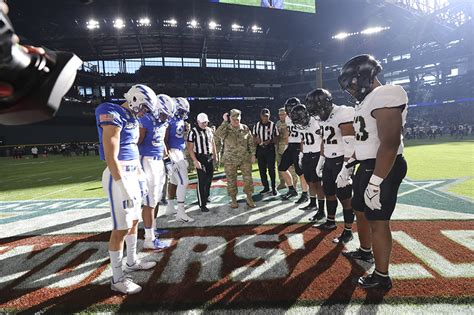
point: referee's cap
(202, 118)
(265, 112)
(235, 113)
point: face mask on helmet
(300, 116)
(141, 99)
(319, 103)
(290, 103)
(358, 75)
(182, 108)
(166, 107)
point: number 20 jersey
(367, 141)
(331, 131)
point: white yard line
(418, 187)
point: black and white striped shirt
(265, 131)
(202, 139)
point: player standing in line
(310, 131)
(291, 156)
(379, 119)
(152, 151)
(337, 149)
(176, 145)
(118, 130)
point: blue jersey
(176, 134)
(154, 142)
(116, 115)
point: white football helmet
(166, 107)
(182, 108)
(141, 98)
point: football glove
(372, 193)
(300, 160)
(344, 177)
(320, 166)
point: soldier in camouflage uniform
(280, 148)
(239, 153)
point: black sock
(331, 206)
(291, 188)
(304, 193)
(321, 205)
(312, 201)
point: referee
(202, 149)
(264, 134)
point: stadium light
(193, 24)
(92, 24)
(256, 29)
(119, 23)
(144, 22)
(374, 30)
(341, 35)
(214, 26)
(237, 28)
(170, 23)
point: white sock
(149, 234)
(116, 262)
(180, 208)
(153, 225)
(131, 241)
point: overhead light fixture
(92, 24)
(119, 23)
(144, 22)
(237, 28)
(214, 26)
(374, 30)
(256, 29)
(193, 24)
(170, 23)
(344, 35)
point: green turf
(80, 177)
(295, 5)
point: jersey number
(180, 132)
(329, 139)
(293, 131)
(309, 139)
(361, 133)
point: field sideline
(79, 177)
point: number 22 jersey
(331, 131)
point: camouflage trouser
(231, 175)
(291, 169)
(191, 167)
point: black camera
(31, 85)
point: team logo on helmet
(182, 108)
(140, 99)
(166, 107)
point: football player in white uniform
(178, 173)
(291, 156)
(379, 119)
(337, 149)
(118, 130)
(310, 131)
(152, 153)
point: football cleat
(360, 254)
(264, 191)
(156, 244)
(318, 216)
(375, 281)
(140, 265)
(125, 286)
(289, 194)
(345, 237)
(302, 199)
(183, 217)
(328, 226)
(309, 207)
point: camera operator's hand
(225, 117)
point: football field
(55, 222)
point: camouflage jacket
(238, 143)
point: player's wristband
(375, 180)
(351, 162)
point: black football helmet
(358, 74)
(300, 116)
(290, 103)
(319, 103)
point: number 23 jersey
(367, 141)
(331, 131)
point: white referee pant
(123, 212)
(154, 169)
(179, 175)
